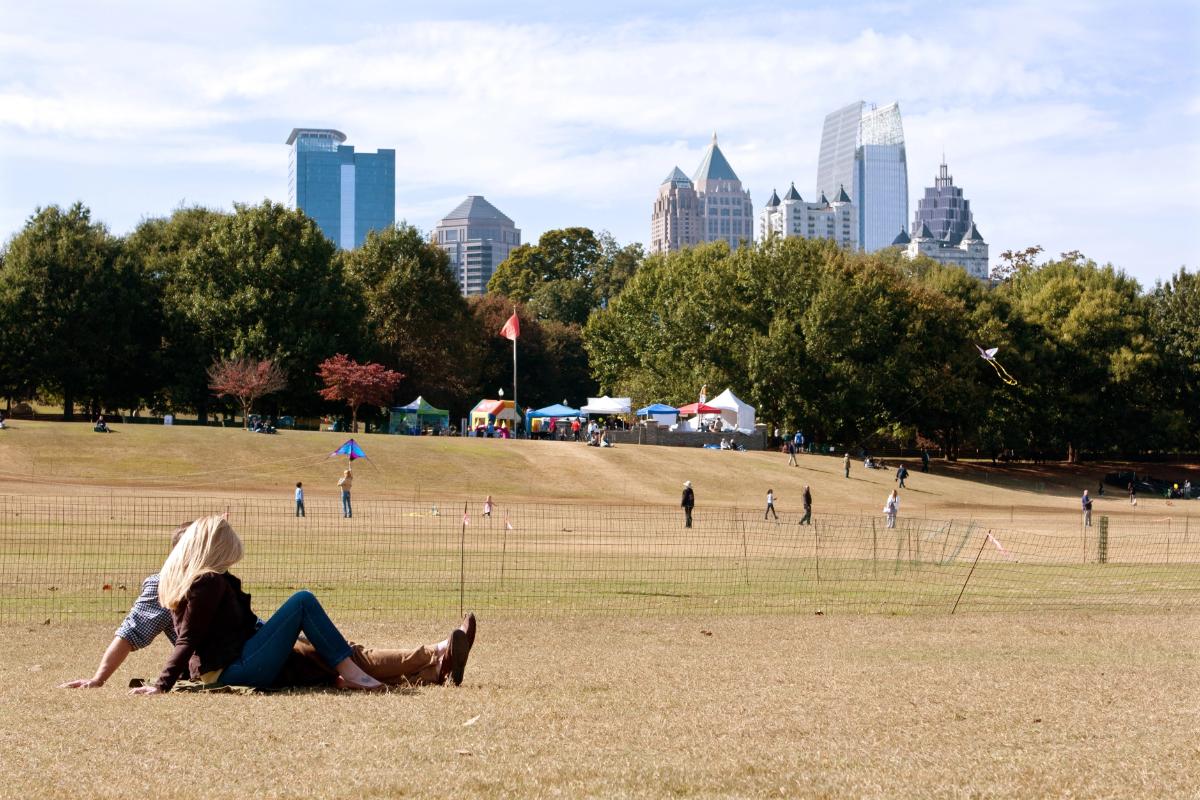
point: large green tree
(1096, 362)
(157, 248)
(417, 319)
(1175, 324)
(567, 274)
(264, 283)
(76, 325)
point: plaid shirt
(147, 619)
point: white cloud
(592, 116)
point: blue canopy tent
(661, 413)
(556, 411)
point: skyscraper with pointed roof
(943, 228)
(727, 210)
(862, 149)
(677, 220)
(711, 206)
(477, 237)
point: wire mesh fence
(85, 558)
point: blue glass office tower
(345, 192)
(862, 151)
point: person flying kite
(989, 355)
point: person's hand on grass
(146, 690)
(82, 683)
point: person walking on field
(1087, 509)
(771, 505)
(807, 518)
(1132, 494)
(891, 508)
(344, 484)
(901, 474)
(299, 499)
(924, 461)
(846, 464)
(688, 503)
(790, 446)
(487, 506)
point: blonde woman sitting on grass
(217, 634)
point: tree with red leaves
(355, 384)
(247, 379)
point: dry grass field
(999, 706)
(64, 458)
(587, 688)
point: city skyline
(137, 113)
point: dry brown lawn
(1019, 705)
(68, 458)
(976, 706)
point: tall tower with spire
(711, 206)
(727, 210)
(943, 228)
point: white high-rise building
(863, 150)
(477, 237)
(725, 212)
(792, 217)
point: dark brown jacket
(212, 624)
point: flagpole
(516, 405)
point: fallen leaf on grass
(819, 612)
(706, 633)
(463, 752)
(472, 720)
(36, 668)
(106, 587)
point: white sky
(1074, 125)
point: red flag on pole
(512, 328)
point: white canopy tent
(607, 405)
(734, 412)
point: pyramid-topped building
(711, 206)
(943, 228)
(477, 236)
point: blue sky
(1073, 125)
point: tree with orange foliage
(355, 384)
(247, 379)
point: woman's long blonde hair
(209, 545)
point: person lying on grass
(427, 664)
(217, 627)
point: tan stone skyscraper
(676, 222)
(711, 207)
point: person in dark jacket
(687, 503)
(807, 518)
(218, 637)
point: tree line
(861, 349)
(95, 322)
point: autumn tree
(247, 379)
(356, 384)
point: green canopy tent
(416, 416)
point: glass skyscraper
(862, 151)
(345, 192)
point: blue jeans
(346, 510)
(299, 508)
(264, 653)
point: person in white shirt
(891, 508)
(299, 499)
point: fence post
(874, 551)
(1102, 542)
